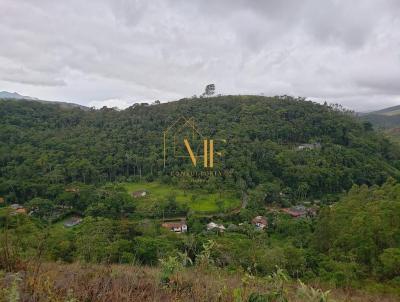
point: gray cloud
(94, 52)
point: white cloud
(120, 52)
(111, 103)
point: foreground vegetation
(79, 282)
(352, 244)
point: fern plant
(310, 294)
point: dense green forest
(62, 162)
(44, 147)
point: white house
(176, 226)
(213, 226)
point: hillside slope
(385, 118)
(43, 145)
(122, 283)
(394, 110)
(15, 95)
(5, 95)
(382, 121)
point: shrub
(390, 262)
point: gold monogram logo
(183, 139)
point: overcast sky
(118, 52)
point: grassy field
(199, 201)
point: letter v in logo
(189, 149)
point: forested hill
(385, 118)
(382, 121)
(44, 147)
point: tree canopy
(305, 149)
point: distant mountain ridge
(386, 118)
(16, 96)
(394, 110)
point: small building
(72, 190)
(214, 226)
(260, 222)
(2, 201)
(73, 221)
(18, 209)
(300, 211)
(15, 206)
(309, 146)
(176, 226)
(140, 193)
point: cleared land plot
(197, 200)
